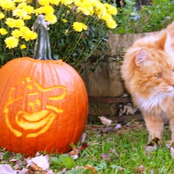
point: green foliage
(6, 155)
(67, 161)
(149, 18)
(63, 161)
(55, 162)
(76, 48)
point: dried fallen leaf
(83, 137)
(149, 149)
(24, 171)
(17, 166)
(105, 120)
(75, 152)
(141, 169)
(91, 168)
(38, 163)
(107, 129)
(6, 169)
(105, 156)
(64, 170)
(118, 126)
(114, 152)
(83, 146)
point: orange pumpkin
(43, 105)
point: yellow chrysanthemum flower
(106, 17)
(19, 1)
(79, 26)
(100, 10)
(48, 9)
(110, 9)
(113, 11)
(33, 35)
(16, 33)
(8, 5)
(66, 31)
(28, 17)
(67, 2)
(111, 24)
(11, 42)
(96, 4)
(29, 9)
(20, 13)
(22, 5)
(27, 34)
(55, 2)
(51, 18)
(108, 6)
(85, 11)
(2, 15)
(77, 3)
(10, 22)
(43, 2)
(24, 29)
(23, 46)
(19, 23)
(38, 11)
(3, 31)
(64, 20)
(87, 8)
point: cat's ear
(141, 56)
(164, 42)
(168, 42)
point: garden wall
(106, 91)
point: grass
(121, 152)
(126, 153)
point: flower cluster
(22, 11)
(83, 18)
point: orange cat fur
(148, 73)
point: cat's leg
(154, 125)
(171, 121)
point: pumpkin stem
(42, 49)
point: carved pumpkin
(43, 104)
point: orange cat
(148, 72)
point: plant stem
(42, 49)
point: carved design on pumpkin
(39, 117)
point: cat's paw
(154, 141)
(152, 145)
(170, 144)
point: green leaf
(67, 161)
(2, 57)
(55, 163)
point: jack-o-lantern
(43, 104)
